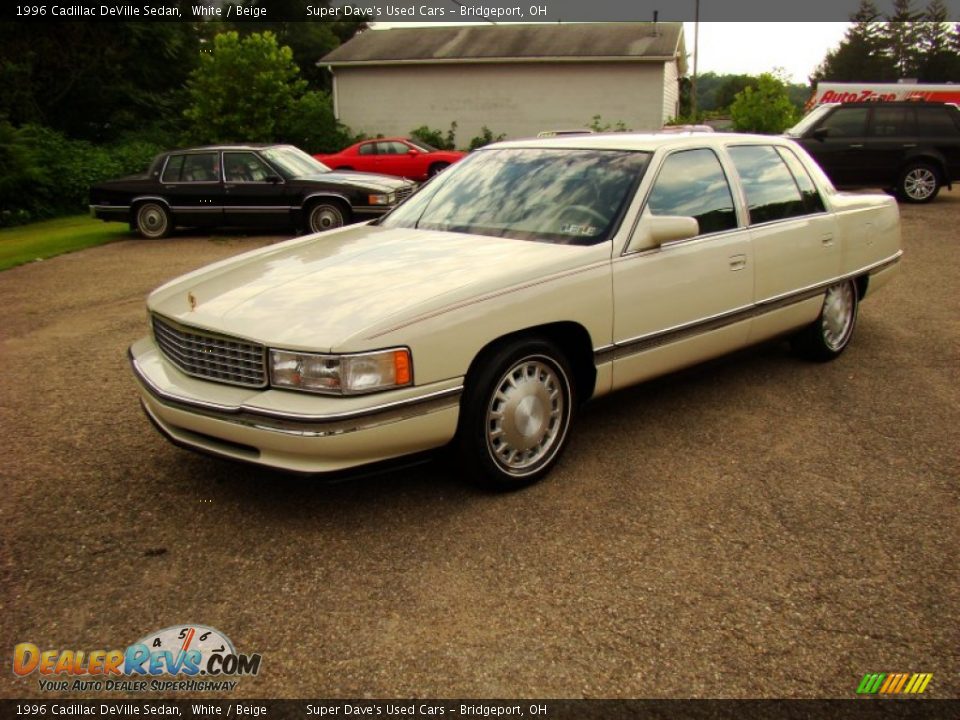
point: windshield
(421, 145)
(293, 162)
(808, 121)
(572, 197)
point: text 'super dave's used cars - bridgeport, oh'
(528, 278)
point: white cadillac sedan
(486, 309)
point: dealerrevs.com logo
(188, 657)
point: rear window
(772, 194)
(936, 121)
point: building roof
(570, 42)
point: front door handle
(738, 262)
(856, 145)
(827, 239)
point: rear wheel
(919, 183)
(152, 220)
(326, 215)
(830, 333)
(516, 414)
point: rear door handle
(857, 145)
(737, 262)
(827, 239)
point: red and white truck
(828, 92)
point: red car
(392, 156)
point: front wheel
(830, 333)
(516, 414)
(325, 216)
(919, 183)
(153, 221)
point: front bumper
(290, 430)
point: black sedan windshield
(573, 197)
(293, 162)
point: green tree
(95, 80)
(309, 41)
(939, 62)
(311, 126)
(860, 57)
(732, 86)
(242, 89)
(901, 38)
(764, 107)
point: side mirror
(655, 231)
(821, 133)
(272, 179)
(413, 152)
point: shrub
(46, 175)
(597, 125)
(485, 138)
(312, 127)
(436, 137)
(764, 107)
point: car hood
(333, 290)
(362, 180)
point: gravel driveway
(755, 527)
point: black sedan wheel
(153, 220)
(829, 334)
(919, 183)
(325, 216)
(516, 414)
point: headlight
(384, 199)
(341, 374)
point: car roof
(239, 146)
(648, 142)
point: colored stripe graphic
(870, 683)
(894, 683)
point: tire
(326, 215)
(516, 414)
(152, 220)
(828, 336)
(437, 168)
(919, 183)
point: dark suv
(911, 149)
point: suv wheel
(919, 183)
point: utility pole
(696, 56)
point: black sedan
(244, 185)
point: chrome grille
(213, 357)
(404, 192)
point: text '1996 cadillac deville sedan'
(528, 278)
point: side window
(845, 122)
(391, 148)
(368, 149)
(895, 121)
(692, 183)
(808, 190)
(771, 191)
(244, 167)
(203, 167)
(936, 121)
(173, 170)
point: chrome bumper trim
(303, 425)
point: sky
(753, 48)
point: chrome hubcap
(837, 318)
(152, 219)
(325, 218)
(919, 183)
(526, 416)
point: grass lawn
(26, 243)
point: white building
(514, 79)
